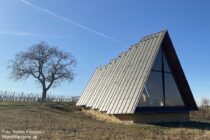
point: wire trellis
(34, 97)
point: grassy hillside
(64, 121)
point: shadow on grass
(65, 107)
(190, 124)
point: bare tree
(205, 102)
(48, 65)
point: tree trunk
(44, 95)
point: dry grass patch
(60, 121)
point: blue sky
(96, 31)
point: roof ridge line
(153, 34)
(131, 46)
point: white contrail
(21, 33)
(72, 22)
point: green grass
(65, 121)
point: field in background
(65, 121)
(33, 97)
